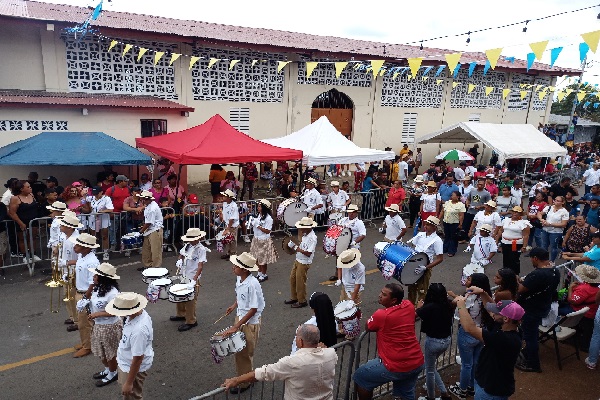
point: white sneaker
(329, 174)
(246, 239)
(105, 257)
(207, 242)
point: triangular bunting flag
(212, 62)
(113, 43)
(395, 75)
(569, 91)
(551, 88)
(452, 60)
(583, 50)
(472, 66)
(492, 56)
(281, 65)
(587, 104)
(522, 85)
(488, 90)
(425, 78)
(157, 56)
(456, 69)
(538, 49)
(554, 55)
(596, 105)
(310, 67)
(414, 64)
(561, 96)
(174, 56)
(510, 60)
(591, 39)
(471, 88)
(439, 70)
(542, 94)
(193, 60)
(127, 48)
(339, 67)
(141, 53)
(232, 64)
(427, 70)
(581, 95)
(382, 71)
(409, 77)
(455, 84)
(505, 92)
(376, 66)
(523, 94)
(487, 66)
(439, 81)
(530, 60)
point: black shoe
(238, 390)
(526, 368)
(141, 268)
(104, 381)
(333, 278)
(176, 318)
(70, 322)
(72, 328)
(100, 375)
(225, 257)
(186, 327)
(300, 305)
(290, 301)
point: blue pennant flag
(583, 50)
(455, 74)
(596, 105)
(510, 59)
(97, 11)
(530, 60)
(472, 66)
(586, 104)
(554, 55)
(439, 70)
(427, 70)
(486, 67)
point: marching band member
(305, 252)
(249, 305)
(262, 247)
(394, 226)
(429, 243)
(351, 275)
(484, 246)
(56, 210)
(312, 198)
(359, 232)
(231, 218)
(337, 199)
(152, 230)
(191, 261)
(87, 260)
(69, 226)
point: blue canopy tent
(72, 148)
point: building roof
(292, 41)
(18, 98)
(556, 119)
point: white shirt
(493, 219)
(357, 227)
(152, 216)
(459, 174)
(54, 233)
(230, 211)
(6, 197)
(393, 227)
(555, 217)
(360, 167)
(313, 198)
(513, 230)
(431, 245)
(146, 186)
(430, 201)
(192, 255)
(517, 194)
(464, 192)
(309, 243)
(249, 295)
(136, 341)
(266, 223)
(470, 170)
(67, 253)
(338, 201)
(591, 176)
(482, 247)
(84, 277)
(353, 276)
(98, 304)
(402, 170)
(97, 205)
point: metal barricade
(16, 250)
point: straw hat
(352, 208)
(311, 180)
(306, 222)
(265, 203)
(433, 220)
(57, 206)
(349, 258)
(146, 195)
(68, 212)
(490, 176)
(125, 304)
(517, 209)
(491, 203)
(193, 234)
(486, 227)
(245, 261)
(334, 183)
(85, 240)
(418, 179)
(70, 221)
(467, 178)
(229, 193)
(432, 184)
(588, 274)
(393, 208)
(105, 269)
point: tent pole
(178, 180)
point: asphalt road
(36, 349)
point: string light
(525, 27)
(469, 38)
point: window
(474, 117)
(239, 118)
(409, 127)
(153, 127)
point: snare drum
(225, 238)
(399, 261)
(180, 293)
(348, 314)
(227, 345)
(337, 239)
(150, 274)
(291, 211)
(132, 240)
(334, 218)
(163, 284)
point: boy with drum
(305, 252)
(394, 226)
(337, 200)
(312, 198)
(356, 226)
(351, 275)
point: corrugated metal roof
(73, 99)
(249, 36)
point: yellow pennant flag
(488, 90)
(505, 93)
(381, 72)
(591, 39)
(581, 95)
(569, 91)
(409, 77)
(174, 57)
(452, 60)
(561, 96)
(157, 56)
(439, 81)
(127, 48)
(542, 94)
(212, 62)
(425, 78)
(552, 88)
(395, 75)
(254, 62)
(232, 64)
(414, 64)
(310, 67)
(376, 66)
(281, 65)
(522, 85)
(538, 49)
(523, 94)
(493, 55)
(193, 60)
(455, 84)
(339, 67)
(141, 53)
(113, 43)
(471, 88)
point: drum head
(155, 272)
(161, 282)
(343, 241)
(408, 276)
(180, 289)
(294, 212)
(344, 309)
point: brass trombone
(56, 280)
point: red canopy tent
(214, 142)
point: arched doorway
(337, 107)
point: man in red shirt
(400, 357)
(118, 193)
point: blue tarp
(71, 148)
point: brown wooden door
(341, 118)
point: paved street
(35, 350)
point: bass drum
(291, 211)
(397, 261)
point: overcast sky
(399, 21)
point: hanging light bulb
(421, 47)
(525, 27)
(469, 37)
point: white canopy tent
(322, 144)
(507, 140)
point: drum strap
(481, 249)
(423, 248)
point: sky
(401, 22)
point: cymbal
(286, 248)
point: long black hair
(483, 282)
(508, 281)
(105, 284)
(264, 211)
(438, 294)
(323, 308)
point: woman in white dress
(262, 247)
(487, 216)
(554, 222)
(513, 233)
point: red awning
(214, 142)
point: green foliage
(564, 107)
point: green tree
(564, 107)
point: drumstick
(223, 316)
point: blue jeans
(374, 374)
(332, 168)
(551, 242)
(535, 233)
(595, 342)
(480, 394)
(529, 325)
(433, 348)
(450, 242)
(469, 349)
